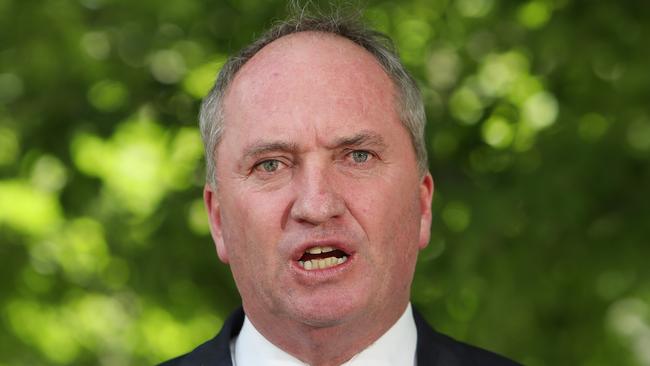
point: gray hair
(410, 106)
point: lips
(322, 256)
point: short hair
(409, 101)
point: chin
(328, 311)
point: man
(319, 199)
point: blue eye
(360, 156)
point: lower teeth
(322, 263)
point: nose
(317, 200)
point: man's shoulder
(435, 348)
(215, 351)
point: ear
(211, 200)
(426, 195)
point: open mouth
(322, 257)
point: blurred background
(539, 143)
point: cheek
(250, 235)
(391, 219)
(252, 225)
(388, 207)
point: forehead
(309, 57)
(308, 79)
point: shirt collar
(396, 347)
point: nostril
(317, 208)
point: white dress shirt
(396, 347)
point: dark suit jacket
(433, 348)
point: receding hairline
(297, 36)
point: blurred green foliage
(539, 140)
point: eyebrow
(262, 147)
(365, 137)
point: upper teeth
(319, 250)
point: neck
(326, 345)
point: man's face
(315, 159)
